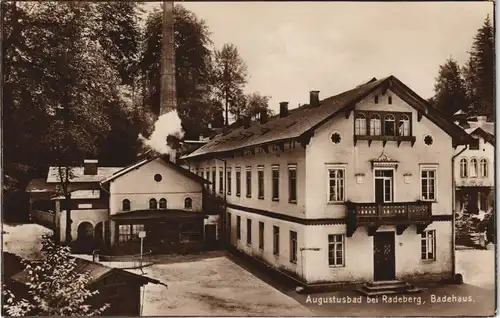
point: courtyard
(214, 283)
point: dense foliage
(472, 88)
(54, 287)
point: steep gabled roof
(165, 159)
(303, 120)
(488, 137)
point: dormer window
(404, 125)
(389, 125)
(375, 125)
(360, 124)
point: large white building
(352, 188)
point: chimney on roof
(90, 167)
(481, 119)
(283, 109)
(314, 98)
(263, 116)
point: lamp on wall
(407, 177)
(359, 177)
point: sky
(291, 48)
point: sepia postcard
(248, 158)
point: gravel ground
(214, 286)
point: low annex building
(352, 188)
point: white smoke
(167, 124)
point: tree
(229, 77)
(119, 35)
(479, 72)
(58, 86)
(450, 92)
(55, 288)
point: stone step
(371, 293)
(384, 282)
(387, 287)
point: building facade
(475, 168)
(356, 187)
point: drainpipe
(453, 208)
(224, 190)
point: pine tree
(450, 92)
(480, 72)
(230, 77)
(54, 287)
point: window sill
(261, 249)
(249, 244)
(336, 202)
(293, 262)
(431, 201)
(292, 201)
(261, 198)
(336, 266)
(229, 193)
(276, 200)
(249, 196)
(427, 261)
(276, 255)
(238, 195)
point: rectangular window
(276, 240)
(249, 232)
(261, 235)
(201, 173)
(229, 227)
(124, 233)
(292, 184)
(293, 246)
(221, 181)
(238, 182)
(336, 184)
(428, 239)
(213, 179)
(276, 183)
(249, 182)
(475, 144)
(228, 182)
(428, 178)
(260, 176)
(238, 227)
(336, 250)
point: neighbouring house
(88, 202)
(110, 206)
(475, 166)
(352, 188)
(163, 199)
(118, 288)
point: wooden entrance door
(384, 267)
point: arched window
(463, 168)
(404, 125)
(375, 125)
(153, 205)
(188, 203)
(389, 125)
(360, 124)
(473, 167)
(483, 166)
(163, 203)
(126, 205)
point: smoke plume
(168, 124)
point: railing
(390, 213)
(124, 261)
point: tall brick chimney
(168, 96)
(283, 109)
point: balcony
(400, 214)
